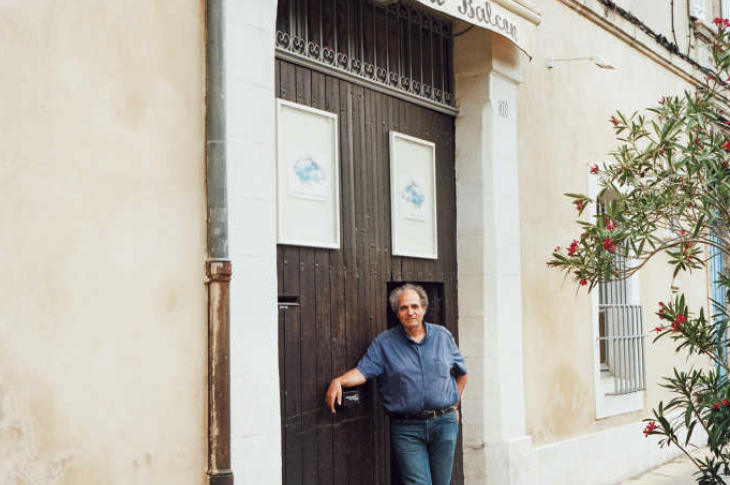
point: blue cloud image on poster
(308, 179)
(414, 196)
(308, 171)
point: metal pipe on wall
(218, 265)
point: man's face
(410, 310)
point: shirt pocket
(439, 368)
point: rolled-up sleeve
(458, 365)
(371, 365)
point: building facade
(544, 399)
(105, 360)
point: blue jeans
(425, 449)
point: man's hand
(334, 392)
(352, 377)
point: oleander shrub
(669, 181)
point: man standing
(421, 375)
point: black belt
(424, 415)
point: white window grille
(725, 9)
(620, 335)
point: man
(421, 375)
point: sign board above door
(508, 18)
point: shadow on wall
(20, 464)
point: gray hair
(395, 295)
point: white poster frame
(285, 196)
(410, 248)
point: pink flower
(658, 329)
(678, 320)
(609, 245)
(649, 428)
(573, 248)
(583, 282)
(614, 120)
(594, 168)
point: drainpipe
(218, 266)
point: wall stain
(133, 108)
(20, 464)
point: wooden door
(335, 301)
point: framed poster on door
(413, 196)
(308, 176)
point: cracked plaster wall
(21, 464)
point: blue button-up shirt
(413, 377)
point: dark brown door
(334, 302)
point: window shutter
(697, 9)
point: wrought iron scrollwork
(380, 46)
(403, 10)
(298, 44)
(328, 55)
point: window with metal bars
(717, 267)
(398, 47)
(620, 333)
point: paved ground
(677, 472)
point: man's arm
(460, 385)
(352, 377)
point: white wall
(255, 416)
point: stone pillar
(250, 27)
(487, 74)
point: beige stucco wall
(102, 296)
(563, 125)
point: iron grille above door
(398, 48)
